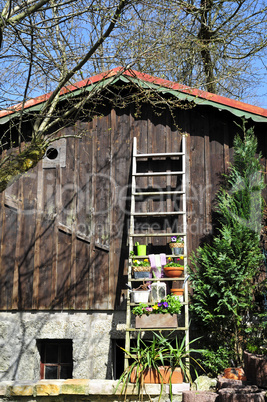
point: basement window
(56, 358)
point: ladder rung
(159, 154)
(159, 193)
(180, 278)
(157, 213)
(131, 257)
(157, 329)
(156, 234)
(173, 173)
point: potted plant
(173, 269)
(177, 245)
(162, 314)
(160, 360)
(140, 294)
(141, 268)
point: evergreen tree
(224, 273)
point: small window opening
(56, 358)
(52, 153)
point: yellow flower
(181, 257)
(146, 260)
(169, 258)
(155, 307)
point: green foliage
(141, 263)
(174, 264)
(170, 304)
(224, 273)
(160, 351)
(216, 360)
(256, 339)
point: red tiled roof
(149, 79)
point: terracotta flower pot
(174, 272)
(151, 376)
(177, 292)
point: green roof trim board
(181, 92)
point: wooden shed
(64, 224)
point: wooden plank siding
(63, 230)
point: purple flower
(165, 304)
(173, 239)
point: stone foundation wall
(85, 390)
(90, 332)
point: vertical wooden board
(49, 193)
(197, 180)
(83, 267)
(184, 119)
(27, 243)
(46, 250)
(84, 201)
(101, 212)
(103, 185)
(63, 270)
(208, 185)
(68, 189)
(113, 261)
(101, 296)
(216, 154)
(8, 249)
(121, 164)
(39, 210)
(2, 266)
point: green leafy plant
(177, 239)
(256, 335)
(155, 353)
(170, 304)
(224, 273)
(215, 361)
(172, 263)
(141, 263)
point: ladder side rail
(186, 307)
(130, 245)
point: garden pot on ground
(151, 376)
(156, 321)
(255, 367)
(174, 272)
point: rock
(200, 396)
(245, 394)
(229, 383)
(204, 383)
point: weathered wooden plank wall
(63, 230)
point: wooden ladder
(132, 234)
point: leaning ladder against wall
(133, 235)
